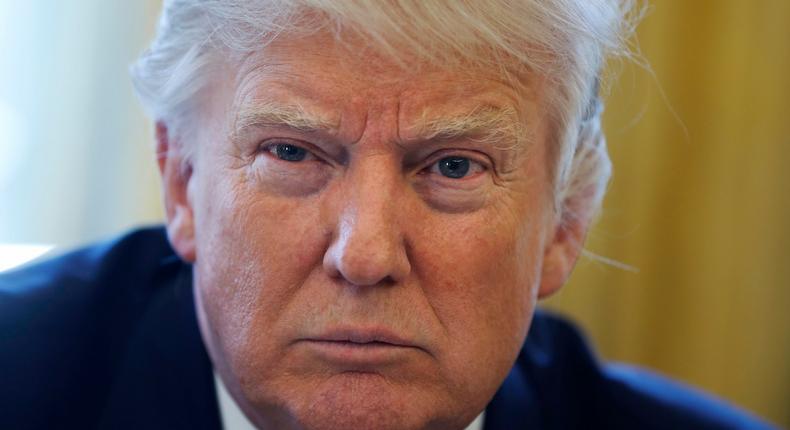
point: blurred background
(697, 215)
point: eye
(456, 167)
(289, 152)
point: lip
(358, 348)
(363, 336)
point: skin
(365, 233)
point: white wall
(76, 159)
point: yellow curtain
(699, 205)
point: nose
(368, 246)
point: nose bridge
(368, 246)
(371, 190)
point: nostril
(368, 269)
(360, 266)
(388, 281)
(367, 247)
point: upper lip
(362, 335)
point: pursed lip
(362, 336)
(356, 349)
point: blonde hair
(565, 40)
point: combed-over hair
(565, 40)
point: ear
(564, 246)
(176, 173)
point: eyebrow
(272, 114)
(499, 126)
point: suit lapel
(166, 378)
(514, 405)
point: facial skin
(349, 271)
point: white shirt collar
(234, 419)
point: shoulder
(76, 272)
(81, 288)
(89, 265)
(571, 388)
(64, 322)
(672, 404)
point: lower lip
(350, 354)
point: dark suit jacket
(106, 337)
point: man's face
(368, 242)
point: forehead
(333, 79)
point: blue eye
(454, 167)
(287, 152)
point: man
(364, 203)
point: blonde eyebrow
(272, 114)
(499, 126)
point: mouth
(355, 349)
(356, 336)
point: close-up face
(368, 242)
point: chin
(358, 400)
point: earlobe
(561, 253)
(181, 233)
(176, 175)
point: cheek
(484, 275)
(480, 275)
(254, 251)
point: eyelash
(479, 166)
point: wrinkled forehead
(319, 79)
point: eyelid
(473, 172)
(475, 157)
(313, 153)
